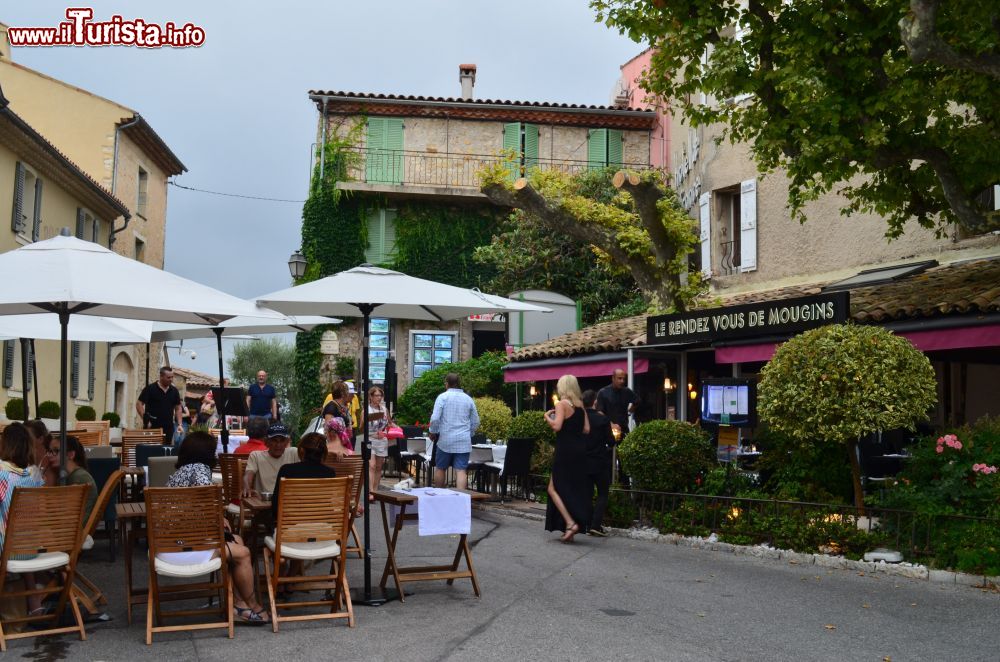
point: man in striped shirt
(454, 420)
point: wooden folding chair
(88, 592)
(313, 514)
(187, 519)
(232, 467)
(352, 465)
(92, 438)
(103, 427)
(44, 532)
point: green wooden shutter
(8, 363)
(16, 218)
(91, 369)
(512, 144)
(80, 222)
(389, 235)
(96, 233)
(373, 254)
(394, 146)
(375, 165)
(36, 221)
(530, 146)
(597, 148)
(616, 147)
(74, 373)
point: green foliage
(481, 376)
(726, 481)
(495, 418)
(531, 425)
(14, 409)
(49, 409)
(86, 413)
(834, 98)
(586, 206)
(111, 416)
(307, 363)
(666, 456)
(437, 242)
(344, 366)
(525, 254)
(794, 470)
(277, 358)
(839, 382)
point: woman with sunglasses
(378, 421)
(76, 468)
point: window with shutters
(140, 203)
(384, 150)
(27, 201)
(381, 236)
(8, 362)
(605, 147)
(91, 369)
(74, 371)
(18, 367)
(727, 205)
(521, 140)
(88, 226)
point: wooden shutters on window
(748, 225)
(705, 235)
(605, 147)
(74, 373)
(8, 363)
(81, 222)
(17, 215)
(381, 236)
(36, 219)
(91, 368)
(521, 140)
(384, 153)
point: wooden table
(130, 514)
(426, 573)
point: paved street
(599, 599)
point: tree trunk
(859, 495)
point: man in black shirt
(599, 443)
(617, 401)
(159, 405)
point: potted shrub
(48, 412)
(494, 419)
(532, 425)
(115, 419)
(666, 456)
(15, 409)
(85, 413)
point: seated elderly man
(263, 466)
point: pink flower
(977, 467)
(940, 449)
(984, 468)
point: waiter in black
(159, 406)
(617, 401)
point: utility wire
(232, 195)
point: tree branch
(918, 30)
(960, 202)
(646, 194)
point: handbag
(394, 432)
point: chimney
(467, 77)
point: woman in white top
(378, 421)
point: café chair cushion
(233, 508)
(45, 561)
(187, 570)
(306, 551)
(88, 543)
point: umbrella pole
(224, 431)
(366, 598)
(24, 377)
(63, 357)
(34, 371)
(147, 367)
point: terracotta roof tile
(958, 288)
(485, 102)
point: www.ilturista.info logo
(80, 30)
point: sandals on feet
(248, 616)
(571, 531)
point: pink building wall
(659, 139)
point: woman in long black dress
(570, 504)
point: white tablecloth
(441, 511)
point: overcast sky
(236, 113)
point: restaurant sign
(766, 318)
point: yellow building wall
(58, 211)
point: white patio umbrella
(365, 289)
(45, 326)
(68, 276)
(238, 327)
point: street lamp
(297, 265)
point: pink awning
(926, 341)
(592, 369)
